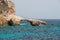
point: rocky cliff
(3, 21)
(8, 17)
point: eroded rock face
(3, 21)
(15, 19)
(8, 17)
(11, 9)
(37, 22)
(7, 7)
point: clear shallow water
(28, 32)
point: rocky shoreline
(8, 17)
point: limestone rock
(11, 8)
(8, 17)
(15, 19)
(10, 23)
(7, 7)
(3, 21)
(37, 22)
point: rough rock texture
(8, 17)
(16, 19)
(37, 22)
(7, 7)
(11, 9)
(3, 21)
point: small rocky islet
(8, 17)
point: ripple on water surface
(30, 32)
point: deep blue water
(51, 31)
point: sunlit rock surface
(3, 21)
(16, 19)
(7, 12)
(37, 22)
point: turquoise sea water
(51, 31)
